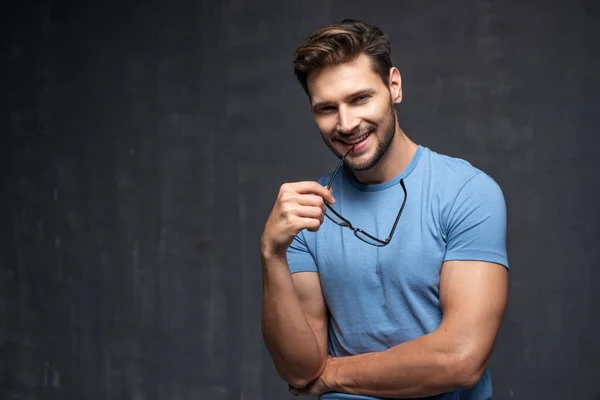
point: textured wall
(143, 146)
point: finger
(298, 392)
(293, 391)
(310, 224)
(308, 212)
(310, 187)
(309, 200)
(312, 200)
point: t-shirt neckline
(384, 185)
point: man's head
(346, 71)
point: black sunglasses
(359, 233)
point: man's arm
(294, 322)
(294, 315)
(473, 298)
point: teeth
(359, 139)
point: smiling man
(387, 279)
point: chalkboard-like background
(143, 144)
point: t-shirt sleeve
(299, 257)
(476, 224)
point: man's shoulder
(450, 175)
(450, 166)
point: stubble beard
(384, 140)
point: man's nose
(347, 121)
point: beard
(384, 139)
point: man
(387, 278)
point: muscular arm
(294, 316)
(294, 321)
(473, 298)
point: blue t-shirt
(379, 297)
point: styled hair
(340, 43)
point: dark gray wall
(142, 147)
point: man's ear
(395, 85)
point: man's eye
(326, 109)
(362, 98)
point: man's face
(351, 104)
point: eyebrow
(358, 93)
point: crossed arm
(473, 297)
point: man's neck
(396, 159)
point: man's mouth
(357, 139)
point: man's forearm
(422, 367)
(287, 333)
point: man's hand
(299, 206)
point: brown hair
(340, 43)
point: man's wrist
(268, 254)
(331, 374)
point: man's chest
(411, 261)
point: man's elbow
(467, 370)
(300, 379)
(470, 379)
